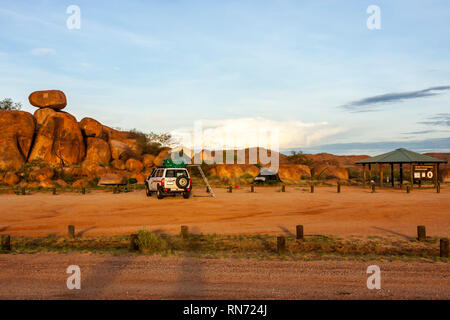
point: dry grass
(243, 246)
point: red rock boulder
(93, 128)
(41, 174)
(134, 165)
(97, 151)
(42, 114)
(16, 136)
(10, 178)
(59, 140)
(293, 172)
(147, 160)
(54, 99)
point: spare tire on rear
(182, 182)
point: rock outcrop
(93, 128)
(42, 114)
(445, 175)
(147, 160)
(324, 171)
(59, 140)
(293, 172)
(11, 178)
(41, 174)
(231, 171)
(112, 179)
(97, 151)
(120, 150)
(54, 99)
(161, 156)
(134, 165)
(16, 137)
(118, 164)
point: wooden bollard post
(230, 189)
(54, 191)
(252, 188)
(207, 190)
(83, 190)
(312, 188)
(115, 189)
(408, 189)
(443, 252)
(338, 187)
(71, 231)
(281, 245)
(300, 232)
(184, 232)
(438, 187)
(283, 188)
(421, 233)
(23, 191)
(6, 242)
(373, 187)
(134, 245)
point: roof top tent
(421, 166)
(267, 176)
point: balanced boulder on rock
(54, 99)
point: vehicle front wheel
(186, 194)
(159, 194)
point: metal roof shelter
(420, 166)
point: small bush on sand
(150, 242)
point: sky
(311, 70)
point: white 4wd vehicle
(166, 181)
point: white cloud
(43, 51)
(252, 132)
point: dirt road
(43, 276)
(355, 211)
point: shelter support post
(411, 173)
(381, 175)
(401, 176)
(392, 174)
(364, 174)
(436, 174)
(370, 173)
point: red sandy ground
(355, 211)
(43, 276)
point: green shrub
(246, 176)
(150, 242)
(299, 158)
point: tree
(8, 104)
(299, 158)
(151, 143)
